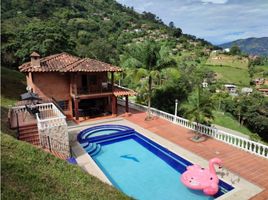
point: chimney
(35, 59)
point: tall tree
(44, 37)
(150, 57)
(235, 50)
(199, 108)
(171, 24)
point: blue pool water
(143, 169)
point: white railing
(51, 123)
(234, 140)
(49, 115)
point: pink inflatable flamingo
(198, 178)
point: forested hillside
(108, 31)
(88, 28)
(252, 46)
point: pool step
(87, 133)
(85, 144)
(98, 149)
(92, 148)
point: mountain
(99, 29)
(252, 46)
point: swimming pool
(138, 166)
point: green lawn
(261, 71)
(31, 173)
(226, 74)
(227, 60)
(226, 120)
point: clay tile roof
(52, 63)
(34, 54)
(121, 91)
(90, 65)
(65, 62)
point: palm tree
(199, 109)
(148, 58)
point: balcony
(93, 91)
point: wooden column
(74, 84)
(71, 107)
(76, 111)
(127, 109)
(114, 109)
(112, 81)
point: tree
(198, 109)
(47, 38)
(171, 24)
(149, 57)
(177, 32)
(235, 50)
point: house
(204, 83)
(216, 51)
(82, 87)
(246, 90)
(259, 81)
(264, 91)
(227, 50)
(230, 88)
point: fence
(237, 141)
(54, 145)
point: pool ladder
(92, 148)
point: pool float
(198, 178)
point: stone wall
(55, 137)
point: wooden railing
(234, 140)
(99, 89)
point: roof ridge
(74, 64)
(100, 61)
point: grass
(227, 74)
(31, 173)
(12, 85)
(261, 71)
(228, 60)
(228, 121)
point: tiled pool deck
(249, 167)
(246, 165)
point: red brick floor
(246, 165)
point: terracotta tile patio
(244, 164)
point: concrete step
(29, 127)
(33, 141)
(26, 131)
(35, 136)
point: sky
(217, 21)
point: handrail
(234, 140)
(50, 122)
(57, 105)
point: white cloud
(215, 1)
(217, 21)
